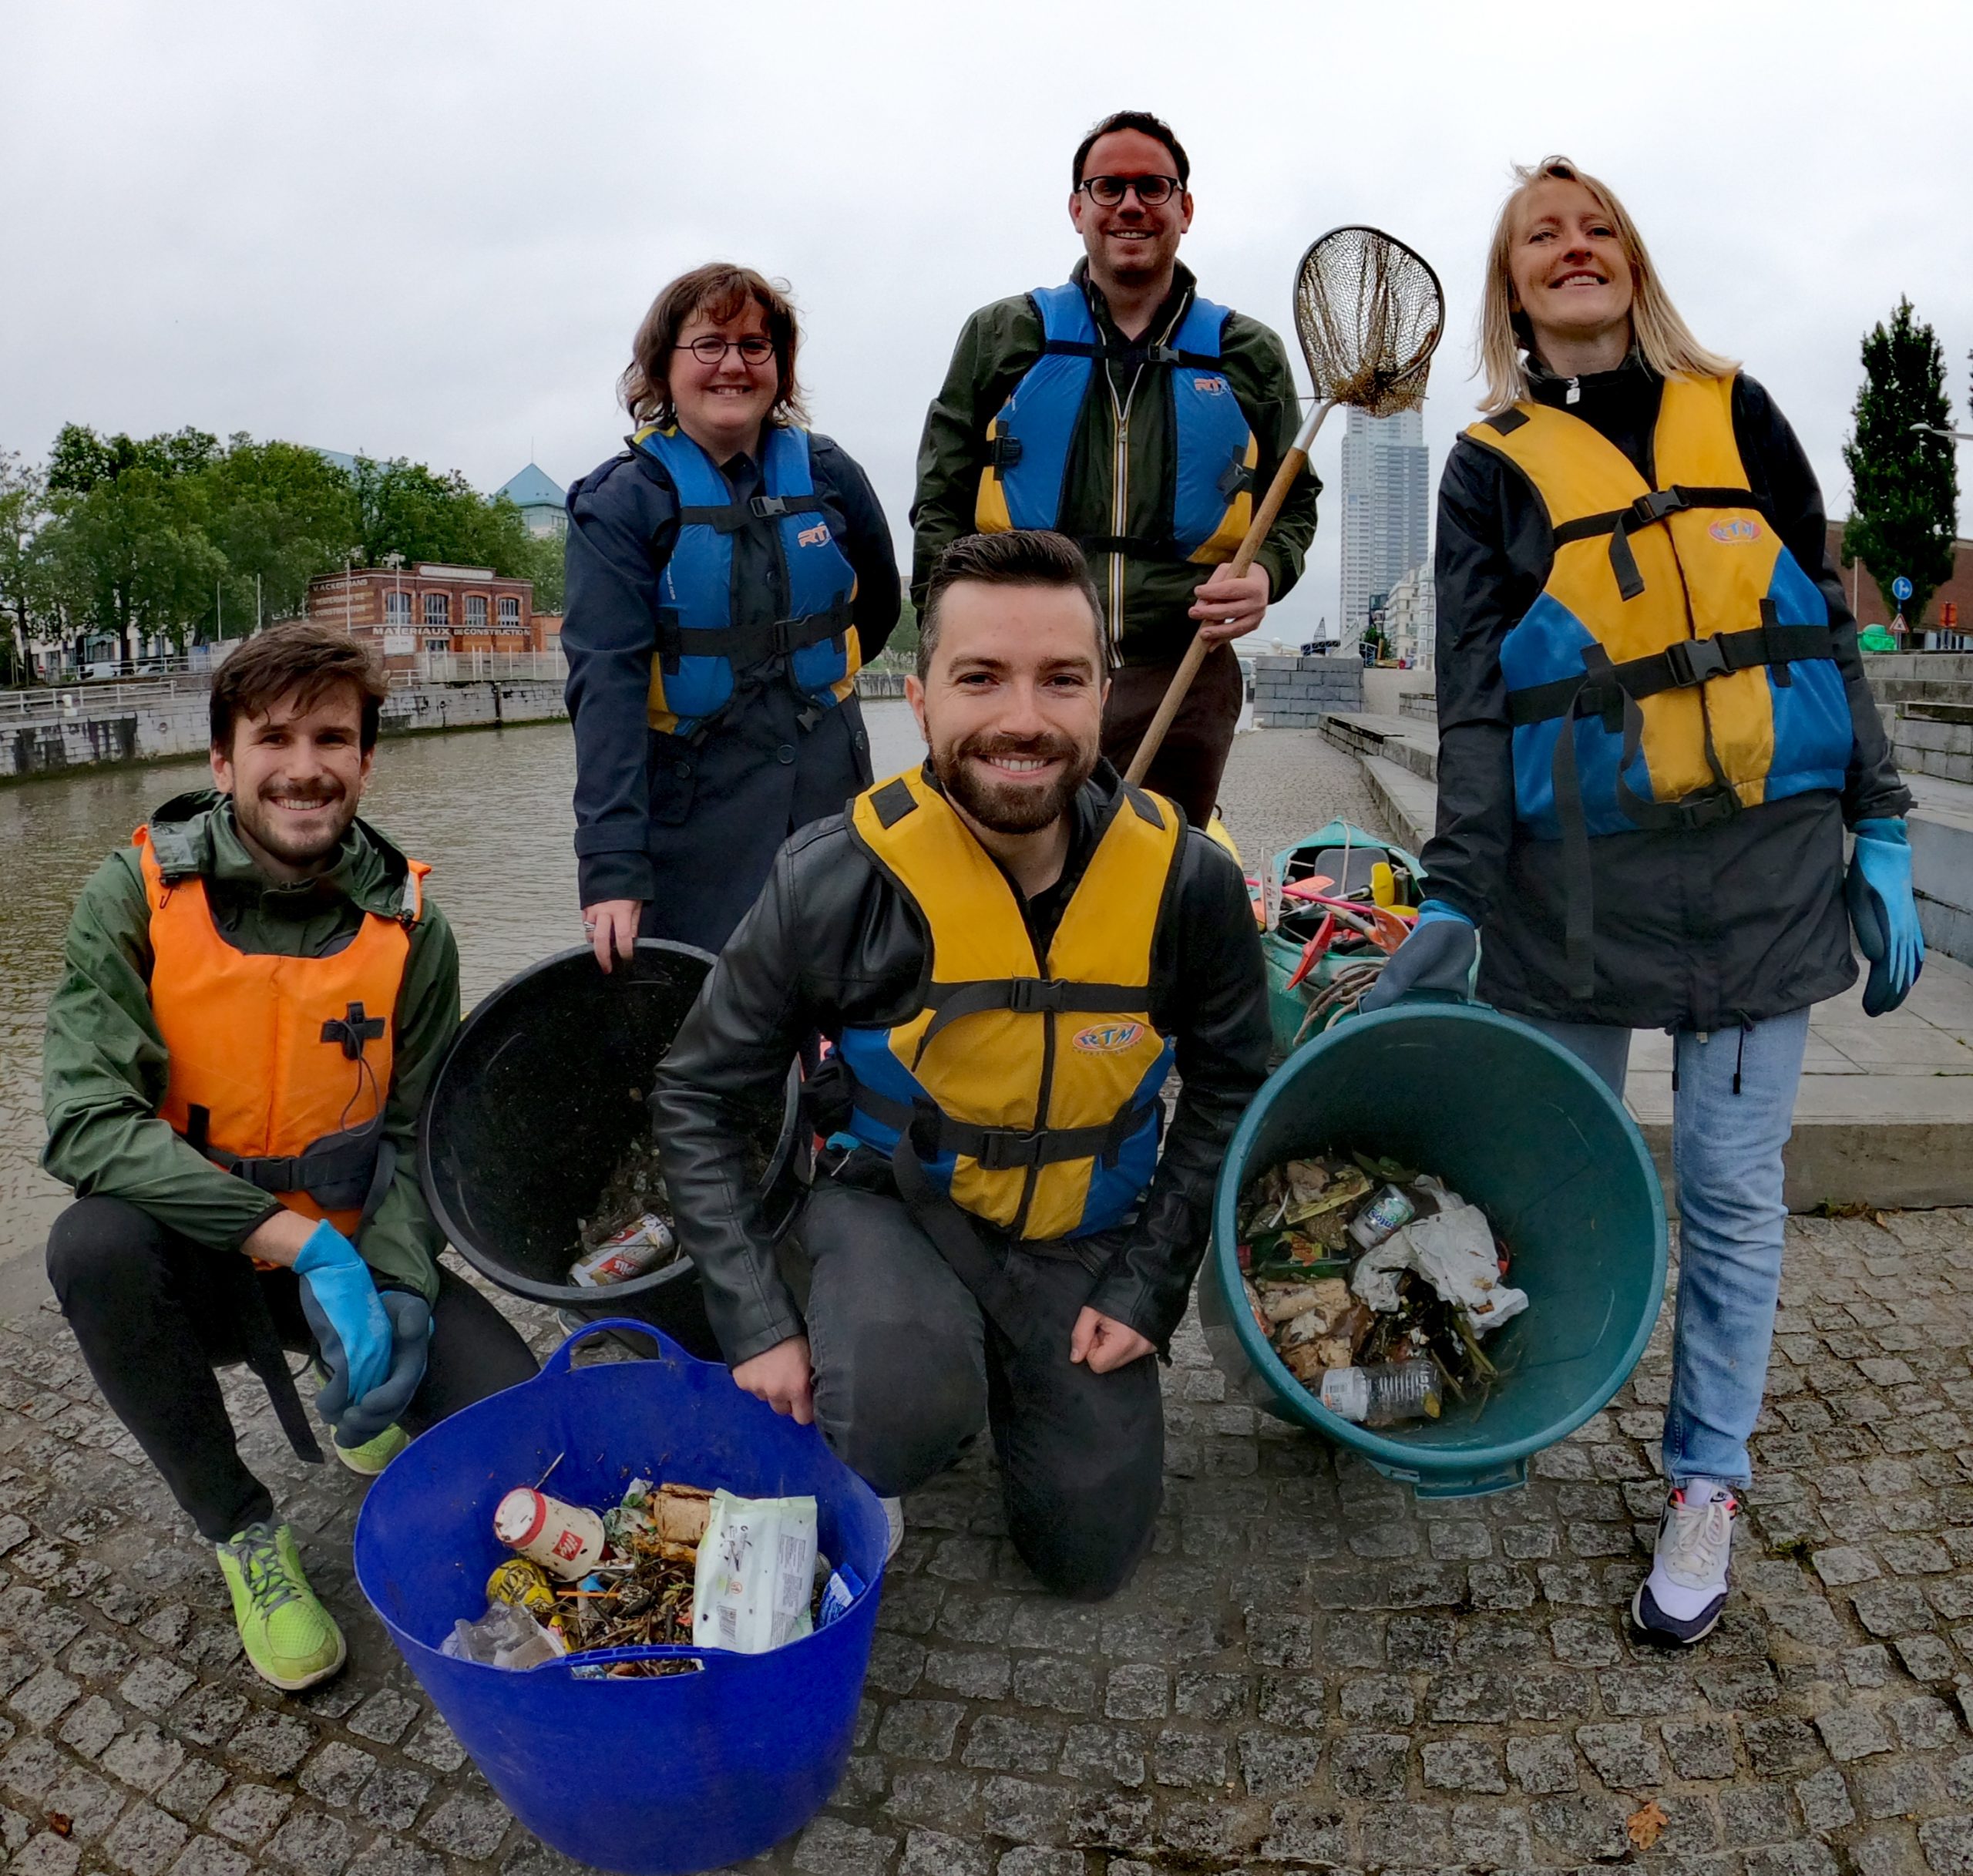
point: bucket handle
(667, 1350)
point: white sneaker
(1680, 1601)
(894, 1517)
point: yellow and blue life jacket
(1687, 650)
(1026, 1086)
(1206, 499)
(703, 655)
(1677, 665)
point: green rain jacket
(1145, 602)
(104, 1063)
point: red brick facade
(1873, 607)
(428, 607)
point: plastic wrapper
(505, 1637)
(755, 1574)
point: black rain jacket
(831, 944)
(1734, 922)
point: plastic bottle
(1382, 1393)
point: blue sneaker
(1680, 1602)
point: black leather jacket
(830, 943)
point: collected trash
(668, 1564)
(628, 1230)
(1375, 1284)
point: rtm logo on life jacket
(813, 537)
(1107, 1038)
(1731, 532)
(1204, 487)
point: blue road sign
(1900, 589)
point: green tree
(403, 507)
(277, 511)
(1904, 484)
(23, 596)
(125, 553)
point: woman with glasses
(1654, 730)
(727, 574)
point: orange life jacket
(280, 1066)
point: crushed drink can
(566, 1540)
(1389, 1212)
(524, 1584)
(633, 1250)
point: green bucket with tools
(1520, 1128)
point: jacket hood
(195, 832)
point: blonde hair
(1656, 329)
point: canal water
(489, 809)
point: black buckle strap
(1655, 506)
(935, 1133)
(1680, 666)
(1029, 997)
(745, 646)
(1005, 453)
(731, 517)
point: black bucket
(541, 1093)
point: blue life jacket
(1206, 496)
(703, 655)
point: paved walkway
(1312, 1669)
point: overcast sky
(429, 230)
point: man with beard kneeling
(1010, 948)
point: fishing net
(1369, 311)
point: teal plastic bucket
(1519, 1126)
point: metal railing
(481, 667)
(78, 703)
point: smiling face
(296, 776)
(1012, 706)
(1129, 244)
(721, 407)
(1570, 273)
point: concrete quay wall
(177, 725)
(1298, 693)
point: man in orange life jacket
(254, 995)
(1010, 948)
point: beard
(1011, 807)
(271, 831)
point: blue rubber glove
(348, 1318)
(362, 1420)
(1441, 957)
(1883, 914)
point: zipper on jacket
(1574, 393)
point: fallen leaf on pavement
(1643, 1826)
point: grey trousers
(907, 1367)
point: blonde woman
(1654, 729)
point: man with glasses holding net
(1127, 411)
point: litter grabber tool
(1369, 311)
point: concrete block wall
(1923, 747)
(182, 725)
(1297, 693)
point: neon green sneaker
(291, 1640)
(373, 1455)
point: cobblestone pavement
(1281, 784)
(1312, 1669)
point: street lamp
(1957, 436)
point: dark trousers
(907, 1366)
(1192, 756)
(154, 1314)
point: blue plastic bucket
(651, 1777)
(1517, 1126)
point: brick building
(1873, 606)
(428, 607)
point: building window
(438, 609)
(510, 613)
(475, 612)
(397, 610)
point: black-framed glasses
(1107, 191)
(711, 349)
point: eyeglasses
(1107, 191)
(711, 350)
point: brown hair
(718, 290)
(303, 659)
(1656, 329)
(1024, 557)
(1155, 128)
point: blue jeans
(1727, 1163)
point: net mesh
(1369, 311)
